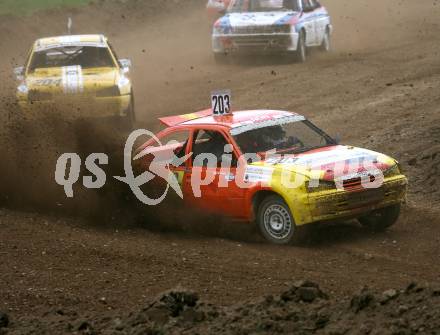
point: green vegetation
(26, 7)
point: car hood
(329, 163)
(72, 79)
(256, 19)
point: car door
(210, 184)
(320, 21)
(164, 156)
(308, 22)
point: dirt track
(378, 89)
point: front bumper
(79, 106)
(269, 42)
(340, 204)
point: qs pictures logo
(68, 169)
(160, 166)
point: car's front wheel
(381, 219)
(275, 220)
(326, 45)
(130, 118)
(301, 49)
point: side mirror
(19, 73)
(125, 65)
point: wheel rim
(277, 221)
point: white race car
(289, 26)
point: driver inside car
(214, 145)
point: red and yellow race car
(275, 168)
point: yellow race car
(79, 74)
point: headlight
(109, 92)
(23, 89)
(392, 171)
(123, 81)
(320, 185)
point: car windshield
(84, 56)
(289, 138)
(263, 6)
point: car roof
(234, 120)
(96, 40)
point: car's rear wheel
(326, 45)
(275, 220)
(381, 219)
(301, 49)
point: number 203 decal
(221, 102)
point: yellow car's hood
(328, 163)
(71, 80)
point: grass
(26, 7)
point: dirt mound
(302, 309)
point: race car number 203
(221, 102)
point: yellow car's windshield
(84, 56)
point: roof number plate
(221, 102)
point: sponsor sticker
(256, 174)
(72, 79)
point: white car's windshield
(263, 6)
(86, 57)
(289, 138)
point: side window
(307, 5)
(291, 4)
(112, 50)
(28, 59)
(209, 149)
(315, 4)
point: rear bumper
(258, 43)
(78, 107)
(340, 204)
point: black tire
(381, 219)
(301, 49)
(275, 220)
(130, 118)
(326, 45)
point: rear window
(84, 56)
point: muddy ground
(88, 258)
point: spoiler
(171, 121)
